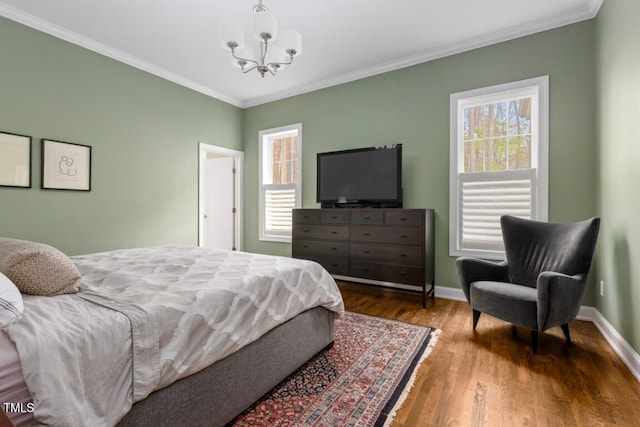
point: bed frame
(217, 394)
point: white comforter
(188, 307)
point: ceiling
(343, 40)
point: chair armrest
(473, 270)
(559, 298)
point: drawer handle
(366, 252)
(305, 246)
(305, 231)
(366, 218)
(334, 232)
(334, 217)
(403, 255)
(334, 265)
(334, 249)
(403, 236)
(365, 234)
(402, 273)
(365, 269)
(403, 218)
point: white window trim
(540, 162)
(277, 133)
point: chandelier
(273, 57)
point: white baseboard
(628, 355)
(591, 314)
(450, 293)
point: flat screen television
(364, 177)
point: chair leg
(534, 341)
(514, 331)
(565, 329)
(476, 316)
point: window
(280, 180)
(499, 163)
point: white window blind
(499, 163)
(484, 197)
(279, 200)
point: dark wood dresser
(393, 248)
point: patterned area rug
(361, 381)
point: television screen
(361, 176)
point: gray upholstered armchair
(543, 279)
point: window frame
(265, 140)
(539, 153)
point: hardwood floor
(491, 377)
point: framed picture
(66, 166)
(15, 160)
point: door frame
(203, 151)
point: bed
(163, 336)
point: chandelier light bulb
(291, 42)
(232, 34)
(265, 26)
(278, 57)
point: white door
(219, 212)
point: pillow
(11, 306)
(38, 269)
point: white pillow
(11, 306)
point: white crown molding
(590, 314)
(570, 17)
(594, 7)
(95, 46)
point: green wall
(144, 132)
(618, 83)
(411, 106)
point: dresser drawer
(333, 264)
(307, 216)
(409, 236)
(327, 232)
(387, 272)
(408, 218)
(367, 217)
(302, 248)
(334, 216)
(397, 254)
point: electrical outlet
(601, 288)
